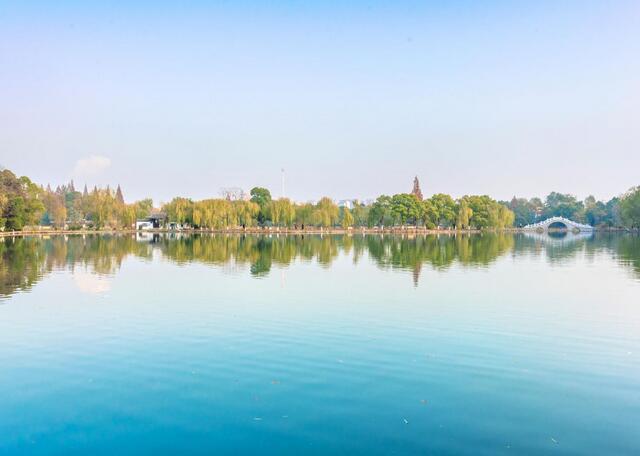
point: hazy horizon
(352, 100)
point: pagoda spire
(416, 189)
(119, 197)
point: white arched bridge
(558, 223)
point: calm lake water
(484, 344)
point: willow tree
(347, 218)
(179, 210)
(464, 215)
(304, 214)
(56, 212)
(246, 212)
(282, 212)
(127, 215)
(326, 213)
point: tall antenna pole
(282, 171)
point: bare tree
(233, 193)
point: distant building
(416, 189)
(142, 225)
(348, 203)
(155, 220)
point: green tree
(445, 209)
(347, 218)
(595, 212)
(563, 205)
(360, 214)
(143, 208)
(464, 215)
(612, 208)
(406, 208)
(524, 210)
(15, 213)
(380, 213)
(486, 213)
(630, 208)
(429, 214)
(179, 210)
(326, 213)
(21, 201)
(247, 212)
(304, 214)
(126, 215)
(262, 197)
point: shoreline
(284, 231)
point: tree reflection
(25, 260)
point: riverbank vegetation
(25, 204)
(589, 211)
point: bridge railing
(544, 224)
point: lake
(359, 345)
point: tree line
(401, 209)
(26, 204)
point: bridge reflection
(559, 238)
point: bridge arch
(557, 224)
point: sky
(351, 99)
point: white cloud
(91, 166)
(91, 283)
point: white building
(142, 225)
(348, 203)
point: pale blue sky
(353, 101)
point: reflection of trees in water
(22, 264)
(26, 260)
(439, 252)
(625, 248)
(260, 252)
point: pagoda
(416, 189)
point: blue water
(493, 344)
